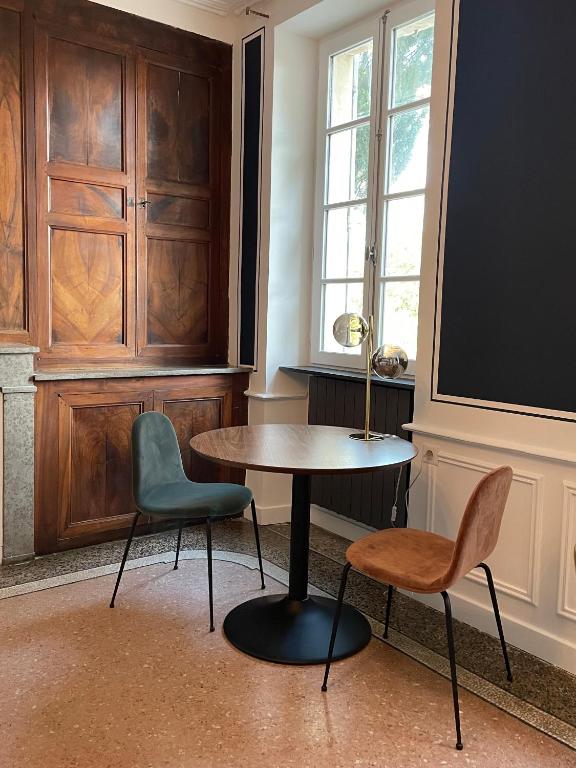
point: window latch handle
(371, 254)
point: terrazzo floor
(147, 686)
(542, 695)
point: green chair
(162, 490)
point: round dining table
(295, 628)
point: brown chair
(427, 563)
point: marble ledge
(346, 374)
(275, 396)
(73, 374)
(18, 349)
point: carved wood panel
(100, 461)
(88, 275)
(13, 319)
(178, 140)
(95, 487)
(85, 95)
(86, 245)
(192, 414)
(177, 280)
(179, 211)
(80, 199)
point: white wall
(286, 242)
(181, 15)
(533, 564)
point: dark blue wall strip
(508, 320)
(251, 169)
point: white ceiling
(220, 7)
(328, 16)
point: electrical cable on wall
(406, 502)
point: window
(374, 110)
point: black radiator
(367, 498)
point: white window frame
(378, 163)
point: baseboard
(15, 559)
(536, 641)
(271, 515)
(330, 521)
(338, 524)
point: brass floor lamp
(388, 361)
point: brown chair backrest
(480, 526)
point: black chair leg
(452, 655)
(494, 599)
(337, 613)
(124, 558)
(257, 537)
(388, 608)
(209, 552)
(178, 546)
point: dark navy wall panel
(251, 176)
(508, 318)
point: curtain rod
(250, 12)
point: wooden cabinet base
(83, 459)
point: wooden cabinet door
(85, 189)
(95, 461)
(182, 264)
(192, 412)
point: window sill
(347, 375)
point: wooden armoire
(115, 137)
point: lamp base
(371, 436)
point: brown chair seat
(405, 557)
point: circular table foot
(276, 628)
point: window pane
(400, 315)
(403, 236)
(408, 150)
(345, 242)
(340, 298)
(348, 153)
(413, 49)
(350, 84)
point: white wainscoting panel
(516, 560)
(567, 585)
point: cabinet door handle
(144, 203)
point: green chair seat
(189, 500)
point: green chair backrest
(156, 458)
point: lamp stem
(369, 344)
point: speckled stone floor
(147, 686)
(536, 682)
(539, 689)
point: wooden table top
(299, 449)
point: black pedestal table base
(295, 628)
(277, 628)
